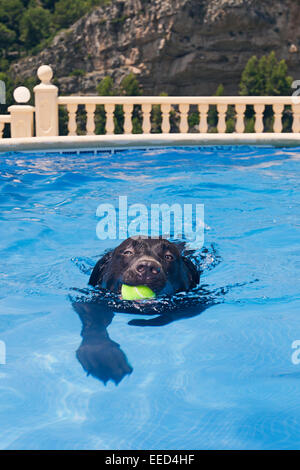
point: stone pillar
(21, 124)
(46, 106)
(21, 116)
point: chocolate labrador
(155, 263)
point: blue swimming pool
(227, 378)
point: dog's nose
(147, 267)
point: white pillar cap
(45, 74)
(21, 94)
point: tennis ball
(136, 292)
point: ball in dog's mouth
(136, 292)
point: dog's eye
(169, 257)
(127, 252)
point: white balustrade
(167, 103)
(47, 102)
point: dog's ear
(180, 245)
(193, 273)
(99, 268)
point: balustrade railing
(172, 112)
(183, 105)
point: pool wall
(146, 141)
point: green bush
(266, 76)
(212, 116)
(77, 73)
(130, 86)
(193, 119)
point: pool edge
(146, 140)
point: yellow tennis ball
(136, 292)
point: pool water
(225, 378)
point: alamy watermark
(2, 92)
(295, 95)
(296, 354)
(176, 220)
(2, 353)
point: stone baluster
(296, 117)
(165, 125)
(110, 125)
(203, 110)
(278, 110)
(259, 116)
(2, 124)
(72, 124)
(128, 108)
(184, 125)
(221, 126)
(146, 109)
(90, 121)
(240, 113)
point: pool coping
(146, 140)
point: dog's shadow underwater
(102, 357)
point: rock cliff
(182, 47)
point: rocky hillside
(182, 47)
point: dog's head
(156, 263)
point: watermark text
(2, 353)
(176, 220)
(296, 354)
(2, 92)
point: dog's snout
(147, 268)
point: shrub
(266, 76)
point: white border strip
(146, 140)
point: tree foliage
(7, 36)
(35, 25)
(266, 76)
(66, 12)
(27, 24)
